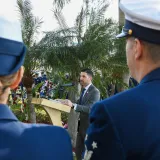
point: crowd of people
(45, 88)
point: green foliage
(90, 43)
(59, 4)
(30, 28)
(36, 89)
(98, 50)
(42, 116)
(64, 117)
(21, 115)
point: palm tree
(92, 45)
(30, 27)
(89, 44)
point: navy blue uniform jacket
(127, 125)
(19, 141)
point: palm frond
(80, 24)
(97, 13)
(60, 19)
(96, 49)
(24, 7)
(30, 28)
(30, 24)
(59, 4)
(62, 37)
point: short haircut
(88, 71)
(8, 79)
(153, 51)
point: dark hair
(88, 71)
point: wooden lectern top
(52, 104)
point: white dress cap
(145, 13)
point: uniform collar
(6, 113)
(153, 75)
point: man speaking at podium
(89, 95)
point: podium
(53, 108)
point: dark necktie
(81, 97)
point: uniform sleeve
(102, 140)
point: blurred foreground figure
(19, 141)
(127, 125)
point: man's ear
(18, 78)
(90, 78)
(138, 49)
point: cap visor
(121, 35)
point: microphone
(68, 84)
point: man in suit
(127, 126)
(132, 82)
(20, 141)
(89, 95)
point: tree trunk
(28, 81)
(73, 116)
(32, 113)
